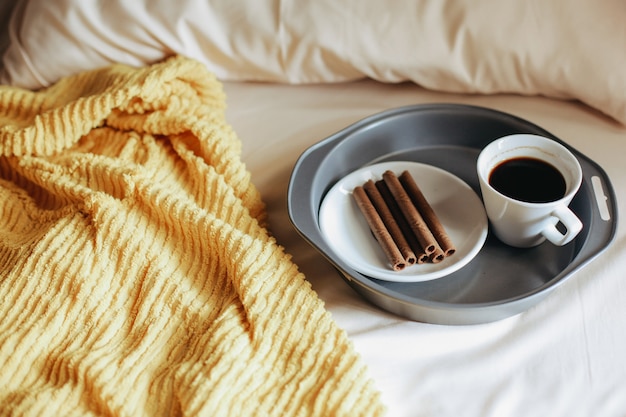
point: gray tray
(500, 281)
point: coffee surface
(528, 179)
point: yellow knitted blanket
(136, 275)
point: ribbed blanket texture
(137, 277)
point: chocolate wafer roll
(427, 212)
(420, 255)
(437, 256)
(411, 214)
(388, 219)
(379, 230)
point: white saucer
(458, 207)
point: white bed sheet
(564, 357)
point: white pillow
(572, 49)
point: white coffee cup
(529, 222)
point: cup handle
(572, 224)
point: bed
(277, 79)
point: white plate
(458, 207)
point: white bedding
(564, 357)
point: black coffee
(528, 179)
